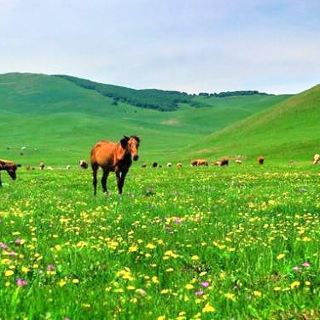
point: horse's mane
(136, 138)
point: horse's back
(102, 153)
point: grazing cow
(41, 165)
(238, 161)
(179, 165)
(83, 164)
(10, 167)
(316, 158)
(154, 164)
(116, 157)
(169, 165)
(224, 162)
(68, 167)
(199, 162)
(221, 163)
(260, 160)
(144, 165)
(49, 168)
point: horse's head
(11, 169)
(131, 144)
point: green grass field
(196, 243)
(240, 242)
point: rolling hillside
(56, 120)
(288, 131)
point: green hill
(57, 120)
(162, 100)
(287, 131)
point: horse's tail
(93, 160)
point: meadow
(196, 243)
(58, 122)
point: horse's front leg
(104, 180)
(120, 179)
(0, 181)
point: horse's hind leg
(94, 174)
(104, 180)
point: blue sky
(186, 45)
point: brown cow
(116, 157)
(10, 167)
(179, 165)
(260, 160)
(199, 162)
(221, 163)
(224, 162)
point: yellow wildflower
(230, 296)
(133, 248)
(295, 284)
(257, 293)
(208, 308)
(164, 291)
(25, 269)
(150, 246)
(8, 273)
(189, 286)
(62, 283)
(131, 288)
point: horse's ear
(126, 137)
(124, 142)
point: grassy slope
(62, 120)
(287, 131)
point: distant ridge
(163, 100)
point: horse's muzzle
(135, 157)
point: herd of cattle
(117, 157)
(224, 162)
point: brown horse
(10, 167)
(116, 157)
